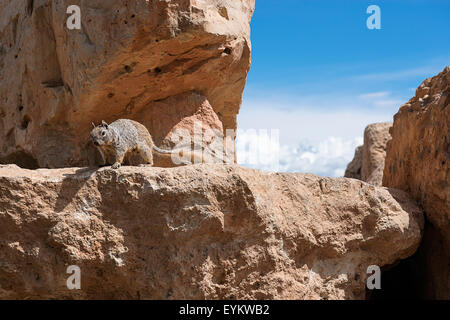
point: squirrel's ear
(104, 124)
(93, 125)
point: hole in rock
(227, 51)
(410, 278)
(22, 159)
(158, 70)
(25, 122)
(397, 282)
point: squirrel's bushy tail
(159, 150)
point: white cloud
(372, 95)
(326, 158)
(381, 99)
(311, 121)
(259, 149)
(311, 137)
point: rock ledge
(197, 232)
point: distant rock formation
(376, 137)
(162, 63)
(368, 163)
(354, 167)
(418, 161)
(197, 232)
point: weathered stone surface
(418, 161)
(196, 232)
(376, 177)
(142, 60)
(368, 162)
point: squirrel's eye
(103, 133)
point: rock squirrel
(123, 138)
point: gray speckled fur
(121, 139)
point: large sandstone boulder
(158, 62)
(197, 232)
(368, 162)
(418, 161)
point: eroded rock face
(136, 59)
(418, 161)
(376, 177)
(197, 232)
(368, 163)
(376, 137)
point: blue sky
(319, 75)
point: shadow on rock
(70, 186)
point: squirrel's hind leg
(146, 154)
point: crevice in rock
(21, 158)
(68, 88)
(30, 7)
(410, 278)
(53, 83)
(197, 66)
(399, 281)
(25, 122)
(172, 66)
(14, 23)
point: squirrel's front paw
(115, 165)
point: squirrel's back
(132, 131)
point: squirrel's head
(102, 135)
